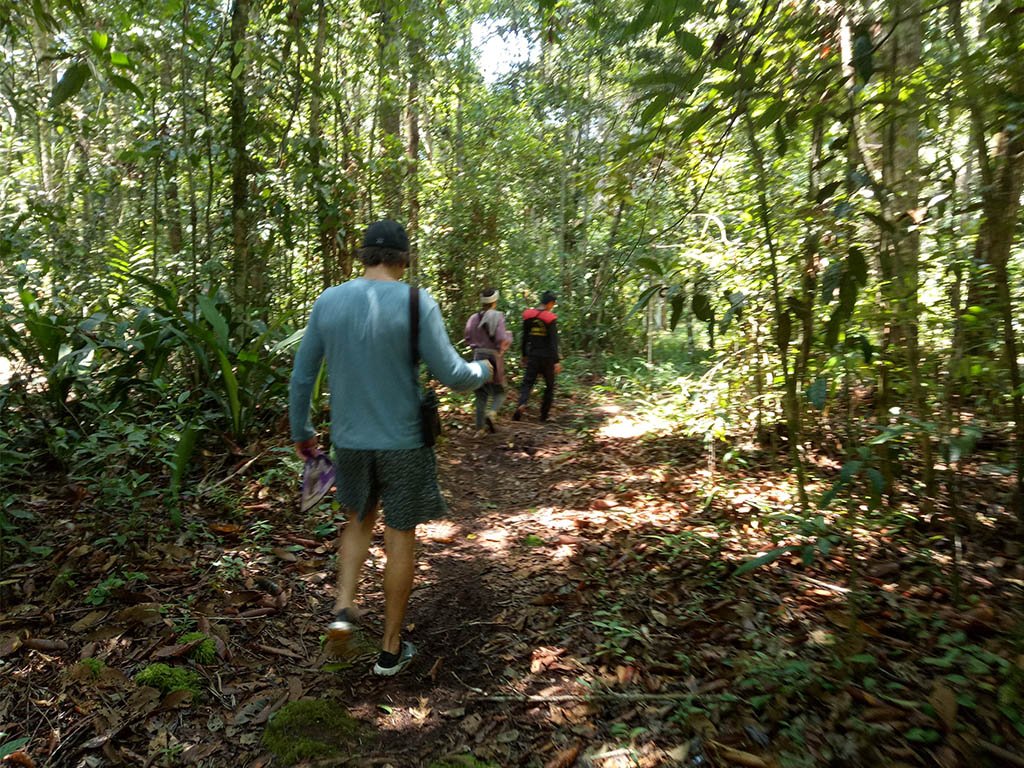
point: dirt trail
(489, 577)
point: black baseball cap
(548, 296)
(386, 233)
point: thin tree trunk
(901, 173)
(389, 112)
(782, 317)
(241, 267)
(416, 64)
(186, 138)
(327, 225)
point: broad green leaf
(99, 41)
(772, 113)
(10, 747)
(215, 319)
(678, 302)
(182, 457)
(673, 79)
(830, 281)
(126, 85)
(231, 387)
(288, 344)
(781, 140)
(644, 299)
(694, 122)
(702, 308)
(690, 43)
(866, 348)
(656, 107)
(650, 264)
(857, 265)
(70, 83)
(120, 59)
(827, 191)
(833, 327)
(817, 392)
(863, 50)
(768, 557)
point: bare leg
(355, 544)
(400, 547)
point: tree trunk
(327, 224)
(389, 112)
(902, 243)
(1002, 185)
(241, 266)
(416, 64)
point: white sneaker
(390, 664)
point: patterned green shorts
(403, 482)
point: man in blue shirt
(362, 329)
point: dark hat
(547, 297)
(489, 296)
(386, 233)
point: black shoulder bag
(430, 418)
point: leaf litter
(581, 606)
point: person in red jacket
(540, 354)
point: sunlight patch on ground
(439, 530)
(625, 427)
(494, 539)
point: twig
(203, 488)
(594, 696)
(477, 690)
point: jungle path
(583, 605)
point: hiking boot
(341, 628)
(390, 664)
(489, 421)
(517, 414)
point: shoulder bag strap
(414, 332)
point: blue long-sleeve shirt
(362, 329)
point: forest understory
(580, 607)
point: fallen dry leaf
(565, 757)
(944, 701)
(738, 756)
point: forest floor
(580, 607)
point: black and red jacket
(540, 333)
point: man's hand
(558, 367)
(307, 448)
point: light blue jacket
(362, 329)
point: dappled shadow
(581, 600)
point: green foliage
(168, 679)
(99, 594)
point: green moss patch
(168, 679)
(311, 728)
(205, 652)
